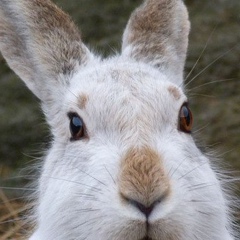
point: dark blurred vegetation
(214, 93)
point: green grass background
(216, 106)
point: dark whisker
(175, 170)
(200, 186)
(192, 170)
(110, 175)
(87, 210)
(93, 177)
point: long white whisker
(18, 188)
(212, 82)
(201, 128)
(194, 66)
(210, 64)
(201, 95)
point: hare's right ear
(157, 34)
(41, 44)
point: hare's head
(123, 164)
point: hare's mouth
(146, 238)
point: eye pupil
(185, 119)
(76, 127)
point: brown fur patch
(82, 101)
(142, 176)
(175, 92)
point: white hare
(123, 164)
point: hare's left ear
(157, 34)
(42, 45)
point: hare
(123, 164)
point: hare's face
(123, 164)
(133, 174)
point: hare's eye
(76, 127)
(185, 119)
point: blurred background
(213, 85)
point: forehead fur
(125, 95)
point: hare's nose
(146, 210)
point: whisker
(114, 51)
(69, 90)
(78, 183)
(212, 82)
(209, 65)
(175, 170)
(199, 201)
(201, 128)
(18, 188)
(200, 186)
(192, 170)
(87, 210)
(224, 153)
(13, 200)
(89, 221)
(18, 177)
(17, 211)
(205, 47)
(87, 195)
(204, 213)
(14, 220)
(201, 95)
(93, 220)
(92, 177)
(110, 174)
(196, 237)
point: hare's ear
(41, 44)
(157, 33)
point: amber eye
(185, 119)
(76, 126)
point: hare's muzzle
(143, 181)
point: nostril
(144, 209)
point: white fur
(128, 105)
(80, 199)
